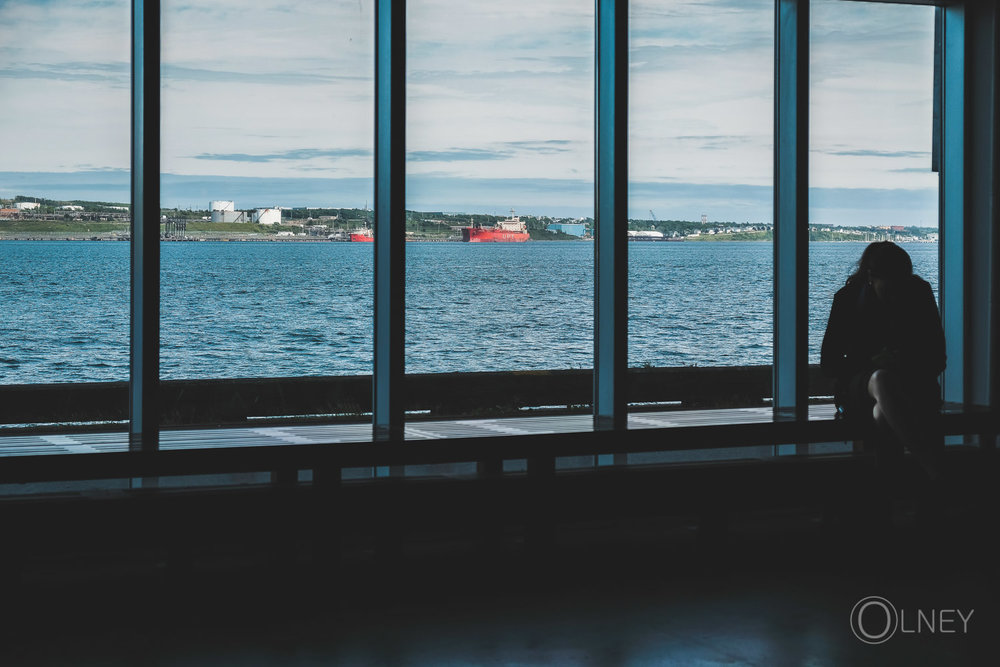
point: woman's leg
(895, 408)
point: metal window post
(791, 210)
(611, 216)
(144, 365)
(390, 219)
(952, 202)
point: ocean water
(290, 309)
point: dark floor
(769, 590)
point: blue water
(289, 309)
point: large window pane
(700, 200)
(499, 117)
(871, 94)
(64, 195)
(267, 162)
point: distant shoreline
(253, 238)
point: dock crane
(653, 215)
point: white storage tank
(229, 216)
(267, 216)
(220, 205)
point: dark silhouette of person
(884, 345)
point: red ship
(511, 230)
(362, 234)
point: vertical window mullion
(144, 341)
(952, 202)
(390, 219)
(611, 216)
(791, 209)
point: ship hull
(476, 235)
(362, 238)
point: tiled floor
(67, 443)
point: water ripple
(269, 309)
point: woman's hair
(882, 259)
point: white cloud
(871, 96)
(701, 70)
(64, 81)
(482, 74)
(259, 78)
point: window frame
(968, 274)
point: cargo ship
(362, 234)
(511, 230)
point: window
(64, 195)
(700, 99)
(871, 112)
(266, 175)
(499, 161)
(267, 159)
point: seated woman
(884, 346)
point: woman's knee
(882, 381)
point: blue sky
(270, 103)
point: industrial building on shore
(225, 211)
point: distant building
(26, 205)
(267, 216)
(897, 228)
(571, 228)
(71, 207)
(9, 212)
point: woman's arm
(833, 353)
(933, 333)
(922, 349)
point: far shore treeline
(77, 219)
